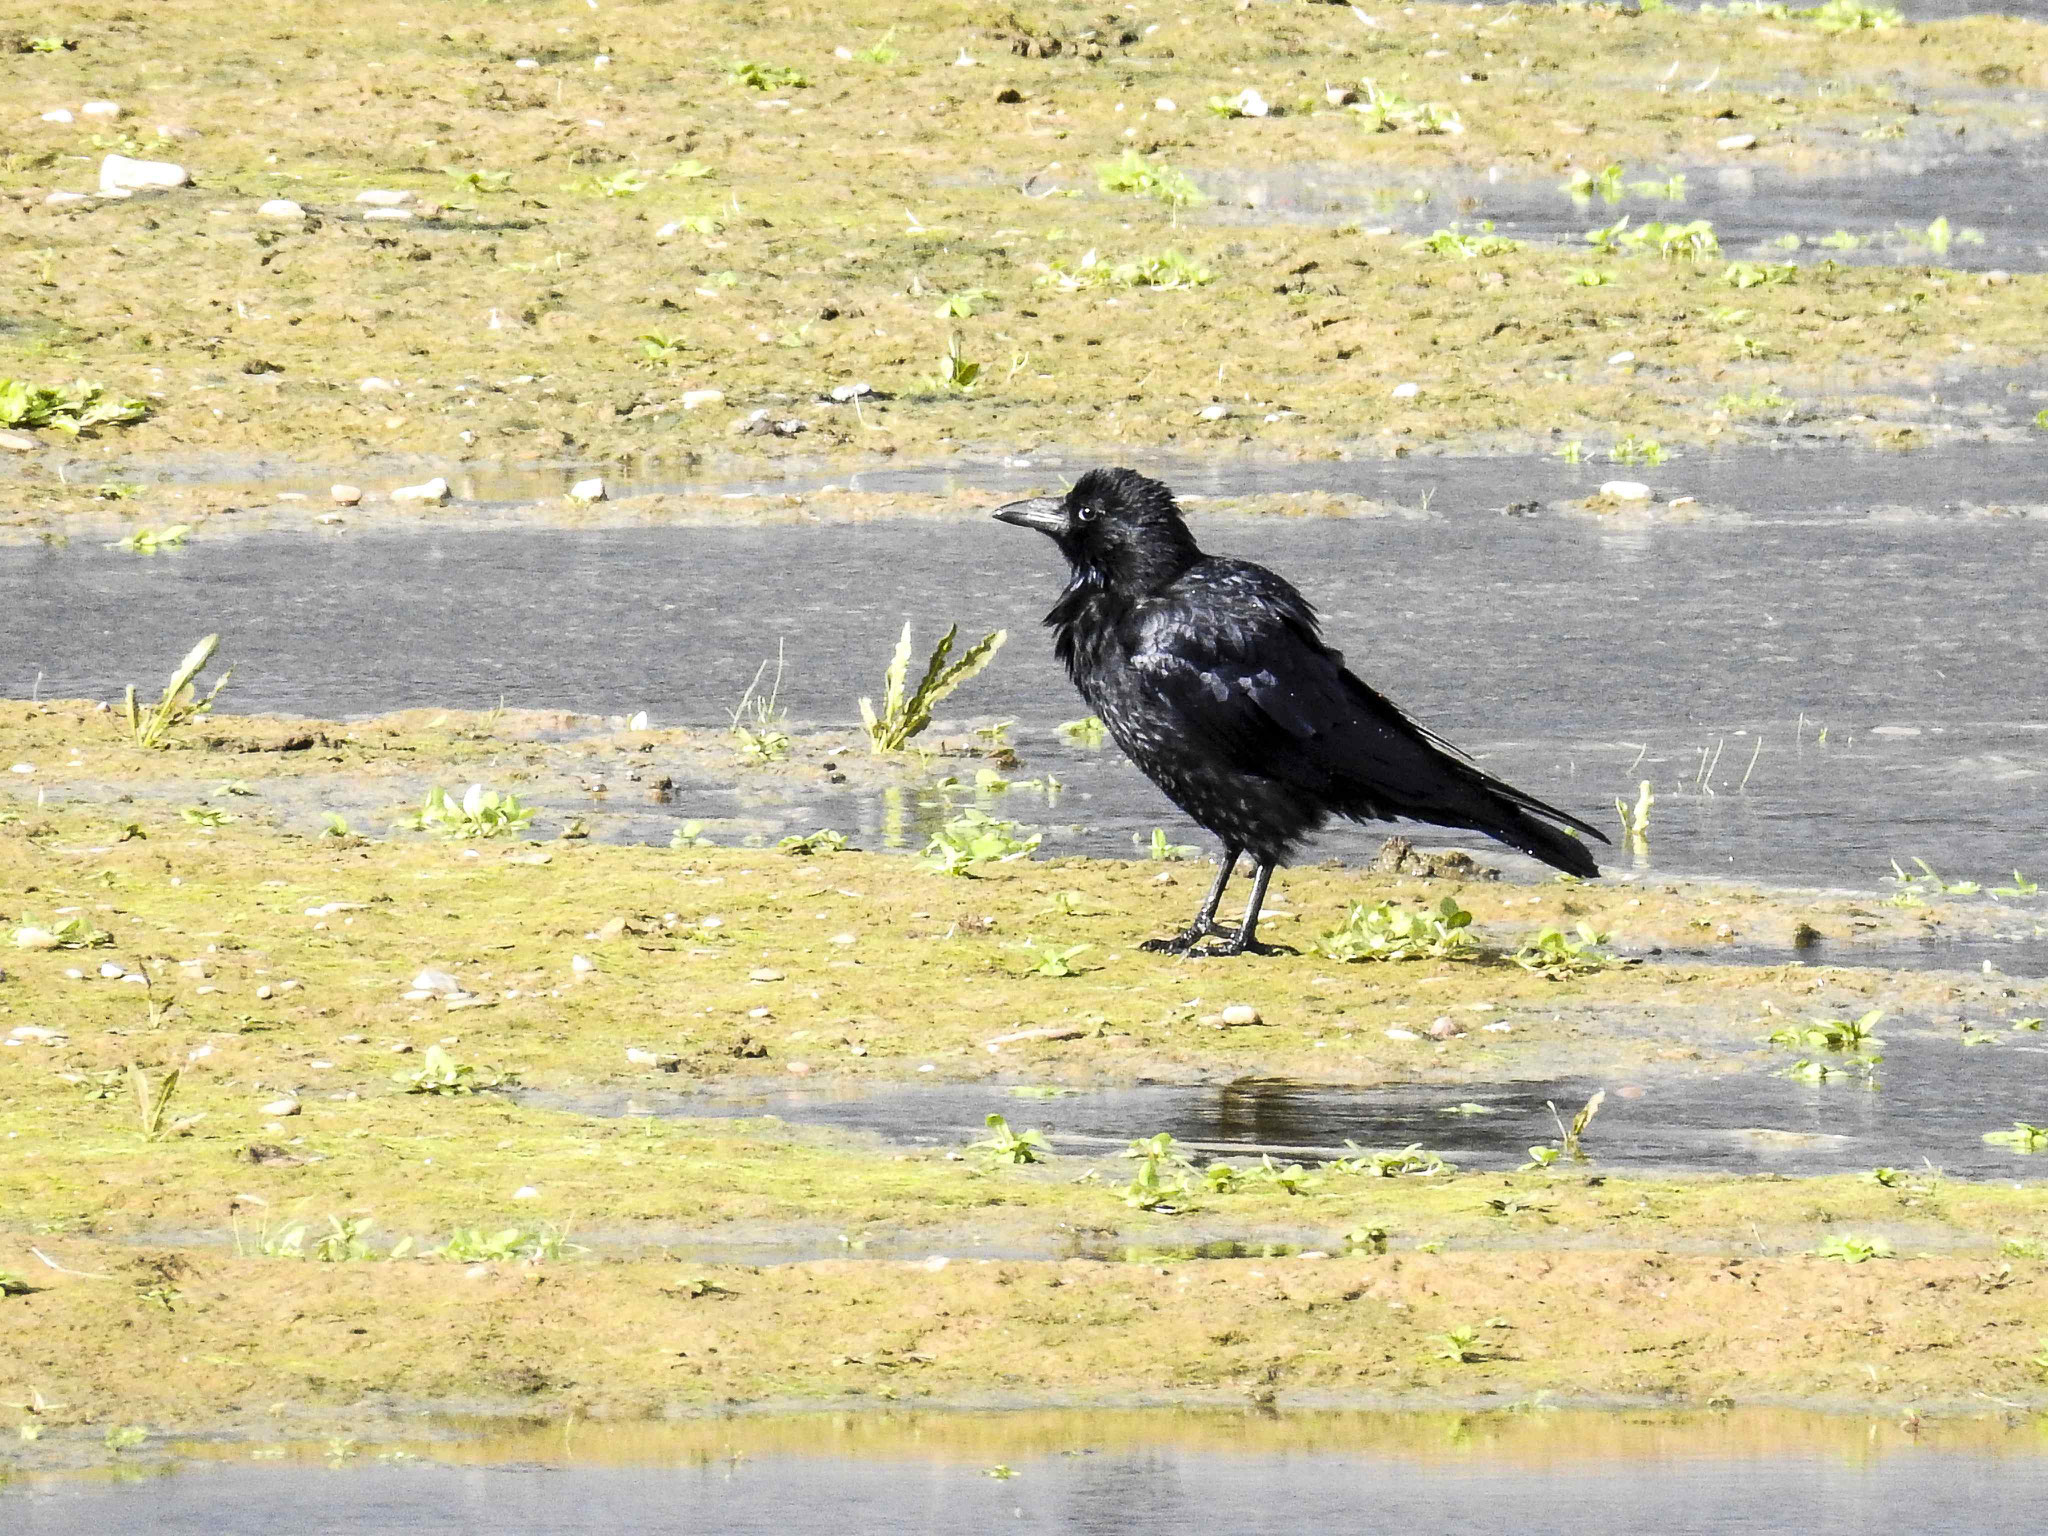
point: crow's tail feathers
(1552, 844)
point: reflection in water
(1111, 1472)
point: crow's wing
(1232, 656)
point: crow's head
(1117, 529)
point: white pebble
(434, 490)
(582, 965)
(1164, 104)
(1398, 1033)
(431, 981)
(345, 495)
(1214, 412)
(120, 174)
(112, 971)
(108, 110)
(1407, 391)
(587, 491)
(388, 213)
(1239, 1014)
(1736, 141)
(281, 208)
(692, 398)
(383, 197)
(278, 1109)
(58, 115)
(1625, 490)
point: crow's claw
(1185, 941)
(1231, 946)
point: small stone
(526, 63)
(798, 1068)
(582, 965)
(661, 1061)
(843, 393)
(1621, 358)
(1407, 391)
(17, 442)
(1216, 412)
(789, 426)
(1445, 1029)
(692, 398)
(105, 110)
(58, 115)
(65, 199)
(1164, 104)
(1997, 277)
(431, 981)
(1625, 490)
(1736, 141)
(1398, 1033)
(381, 197)
(112, 971)
(1239, 1015)
(763, 973)
(1500, 1027)
(526, 1192)
(281, 208)
(375, 386)
(1250, 103)
(434, 491)
(345, 495)
(588, 491)
(264, 994)
(935, 1263)
(35, 938)
(1339, 95)
(278, 1109)
(118, 173)
(388, 213)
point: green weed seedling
(12, 1284)
(1388, 930)
(473, 1245)
(1055, 962)
(1386, 111)
(334, 824)
(1449, 242)
(203, 816)
(1169, 269)
(974, 838)
(147, 541)
(1088, 731)
(1137, 176)
(1588, 277)
(124, 1437)
(1290, 1177)
(1637, 450)
(1756, 274)
(1854, 1250)
(153, 1104)
(1461, 1346)
(440, 1073)
(1163, 1174)
(342, 1242)
(1555, 955)
(2023, 1248)
(479, 813)
(689, 835)
(1585, 185)
(1366, 1239)
(823, 841)
(765, 77)
(1939, 235)
(1830, 1034)
(1413, 1159)
(659, 347)
(72, 933)
(1160, 849)
(757, 720)
(1756, 402)
(2021, 886)
(878, 52)
(480, 181)
(905, 713)
(1009, 1146)
(955, 373)
(2022, 1138)
(1635, 821)
(80, 408)
(180, 702)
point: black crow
(1212, 676)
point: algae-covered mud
(689, 233)
(299, 1123)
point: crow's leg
(1245, 940)
(1204, 925)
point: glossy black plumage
(1211, 674)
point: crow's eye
(1087, 513)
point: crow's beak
(1048, 514)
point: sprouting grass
(1460, 1345)
(1138, 176)
(1450, 242)
(1163, 1174)
(1605, 184)
(1939, 235)
(1088, 731)
(660, 347)
(73, 409)
(757, 720)
(2021, 885)
(1850, 1249)
(1412, 1160)
(440, 1073)
(955, 373)
(1569, 1137)
(1385, 111)
(879, 52)
(203, 816)
(2022, 1138)
(1009, 1146)
(479, 813)
(765, 77)
(1169, 269)
(1637, 450)
(1635, 820)
(147, 541)
(334, 824)
(1160, 849)
(1555, 955)
(1914, 888)
(1856, 1034)
(1055, 961)
(974, 838)
(1755, 403)
(180, 702)
(1387, 930)
(906, 712)
(1695, 241)
(153, 1103)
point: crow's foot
(1185, 941)
(1232, 945)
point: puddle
(1573, 1472)
(1572, 656)
(2022, 957)
(1751, 208)
(1934, 1099)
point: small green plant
(1854, 1250)
(1388, 930)
(627, 183)
(1160, 849)
(153, 1100)
(1635, 821)
(757, 720)
(479, 813)
(72, 933)
(1056, 962)
(124, 1437)
(12, 1284)
(2021, 886)
(1572, 452)
(964, 304)
(1386, 111)
(1412, 1159)
(180, 702)
(878, 52)
(473, 1245)
(956, 373)
(1554, 954)
(1637, 450)
(903, 715)
(823, 841)
(1449, 242)
(1831, 1034)
(660, 347)
(1755, 403)
(2022, 1138)
(1568, 1136)
(334, 824)
(1756, 274)
(1088, 731)
(1162, 1174)
(765, 77)
(1605, 184)
(1140, 177)
(1169, 269)
(1366, 1239)
(1695, 240)
(147, 541)
(440, 1073)
(689, 835)
(342, 1242)
(80, 408)
(480, 181)
(1009, 1146)
(974, 838)
(1460, 1345)
(203, 816)
(1589, 277)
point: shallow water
(1889, 210)
(1576, 1473)
(1574, 656)
(1932, 1101)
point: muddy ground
(166, 1242)
(615, 211)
